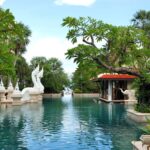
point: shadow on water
(67, 123)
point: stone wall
(86, 95)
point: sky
(44, 19)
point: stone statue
(16, 95)
(9, 91)
(2, 85)
(129, 93)
(31, 90)
(16, 90)
(2, 92)
(40, 85)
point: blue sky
(44, 18)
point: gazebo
(111, 85)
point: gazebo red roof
(116, 77)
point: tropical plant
(123, 48)
(14, 37)
(146, 128)
(54, 79)
(23, 73)
(82, 81)
(141, 20)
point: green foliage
(121, 49)
(81, 79)
(13, 40)
(77, 91)
(120, 44)
(23, 73)
(143, 91)
(38, 61)
(146, 129)
(6, 63)
(54, 78)
(13, 34)
(142, 20)
(143, 108)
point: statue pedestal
(40, 97)
(34, 97)
(16, 96)
(2, 95)
(7, 99)
(9, 96)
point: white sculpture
(16, 95)
(130, 93)
(37, 88)
(30, 90)
(16, 90)
(2, 86)
(10, 86)
(10, 90)
(2, 91)
(39, 84)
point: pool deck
(119, 101)
(138, 116)
(51, 95)
(138, 145)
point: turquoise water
(66, 124)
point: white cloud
(75, 2)
(50, 47)
(1, 2)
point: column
(109, 90)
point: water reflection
(107, 124)
(14, 122)
(66, 123)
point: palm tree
(14, 38)
(21, 39)
(141, 19)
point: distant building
(113, 85)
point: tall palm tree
(22, 34)
(142, 20)
(14, 38)
(20, 40)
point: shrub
(77, 91)
(142, 108)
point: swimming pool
(67, 123)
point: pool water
(67, 124)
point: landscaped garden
(79, 124)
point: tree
(54, 78)
(6, 63)
(124, 48)
(142, 20)
(81, 80)
(13, 35)
(37, 61)
(13, 40)
(20, 39)
(23, 73)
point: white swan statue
(26, 92)
(130, 93)
(40, 85)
